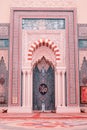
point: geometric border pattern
(4, 30)
(82, 31)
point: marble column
(58, 88)
(24, 89)
(63, 88)
(29, 90)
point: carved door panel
(43, 86)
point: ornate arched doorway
(43, 85)
(43, 78)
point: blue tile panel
(4, 43)
(82, 43)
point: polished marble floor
(43, 121)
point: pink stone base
(19, 110)
(62, 109)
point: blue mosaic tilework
(43, 24)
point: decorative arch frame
(44, 42)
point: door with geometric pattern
(43, 85)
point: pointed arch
(44, 42)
